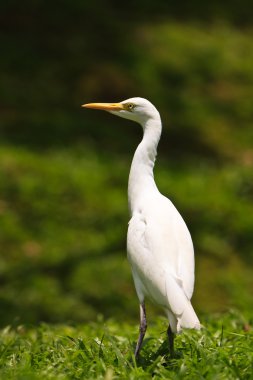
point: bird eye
(130, 106)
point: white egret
(159, 245)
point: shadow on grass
(162, 354)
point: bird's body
(159, 245)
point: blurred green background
(63, 169)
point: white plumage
(159, 245)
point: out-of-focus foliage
(63, 204)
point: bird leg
(143, 328)
(171, 341)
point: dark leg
(171, 341)
(143, 328)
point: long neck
(141, 177)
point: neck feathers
(141, 177)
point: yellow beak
(105, 106)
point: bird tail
(188, 319)
(180, 311)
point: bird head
(136, 109)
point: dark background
(63, 169)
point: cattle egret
(159, 245)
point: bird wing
(185, 253)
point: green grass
(223, 349)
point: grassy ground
(223, 349)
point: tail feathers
(180, 311)
(188, 319)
